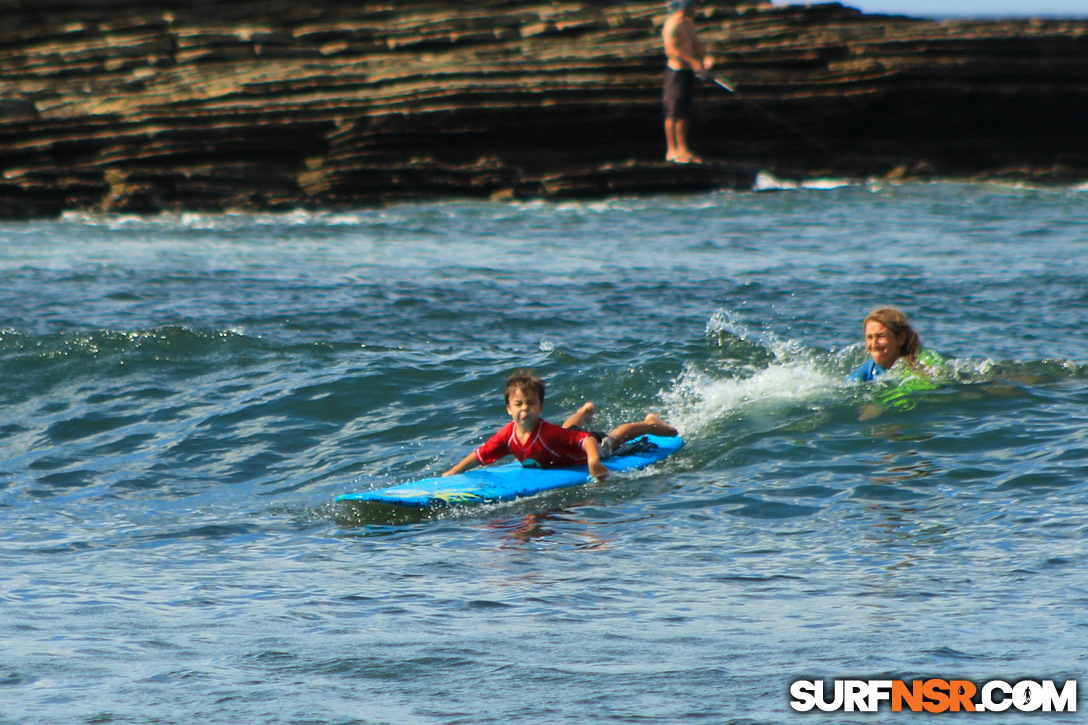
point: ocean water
(185, 395)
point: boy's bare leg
(581, 417)
(650, 425)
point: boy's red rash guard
(549, 446)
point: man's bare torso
(682, 46)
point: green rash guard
(916, 377)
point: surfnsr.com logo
(934, 695)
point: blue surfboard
(508, 481)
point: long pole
(727, 85)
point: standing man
(686, 57)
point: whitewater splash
(758, 374)
(699, 401)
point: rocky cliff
(146, 105)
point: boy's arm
(491, 451)
(593, 458)
(468, 462)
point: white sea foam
(786, 374)
(766, 181)
(699, 399)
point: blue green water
(184, 396)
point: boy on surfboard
(536, 442)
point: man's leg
(670, 139)
(683, 153)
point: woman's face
(882, 345)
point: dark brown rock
(147, 105)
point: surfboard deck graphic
(509, 481)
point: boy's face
(525, 407)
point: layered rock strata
(148, 105)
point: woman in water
(888, 337)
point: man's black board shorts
(679, 93)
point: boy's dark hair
(524, 380)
